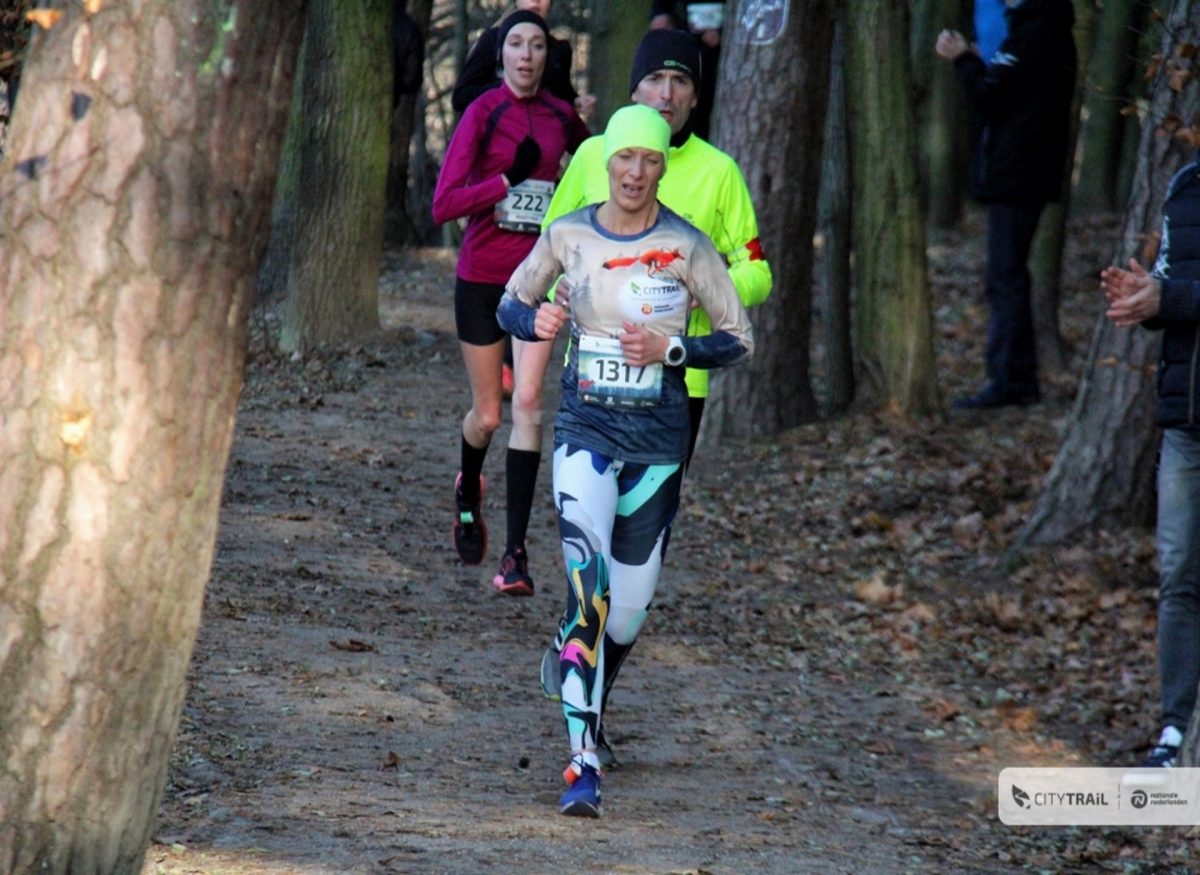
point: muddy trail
(832, 676)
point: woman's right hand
(550, 318)
(529, 153)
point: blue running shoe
(582, 798)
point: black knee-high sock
(472, 469)
(614, 656)
(521, 470)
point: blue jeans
(1178, 535)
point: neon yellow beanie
(636, 126)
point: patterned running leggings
(614, 519)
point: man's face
(671, 93)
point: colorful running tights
(614, 519)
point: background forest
(229, 390)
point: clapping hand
(1133, 295)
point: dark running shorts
(475, 312)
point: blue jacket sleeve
(713, 350)
(517, 318)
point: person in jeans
(1167, 299)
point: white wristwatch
(676, 352)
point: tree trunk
(895, 319)
(834, 223)
(1105, 466)
(333, 273)
(617, 28)
(422, 169)
(1110, 73)
(272, 280)
(133, 210)
(399, 227)
(941, 113)
(779, 88)
(1046, 256)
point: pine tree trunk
(895, 319)
(333, 273)
(1105, 466)
(834, 222)
(617, 28)
(779, 89)
(133, 209)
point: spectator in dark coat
(1021, 98)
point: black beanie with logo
(666, 50)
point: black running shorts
(475, 312)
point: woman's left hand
(641, 347)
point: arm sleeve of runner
(453, 197)
(527, 289)
(740, 244)
(732, 337)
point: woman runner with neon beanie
(622, 429)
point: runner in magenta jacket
(499, 173)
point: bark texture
(834, 224)
(779, 91)
(941, 111)
(133, 206)
(1108, 89)
(894, 316)
(618, 26)
(345, 131)
(1105, 466)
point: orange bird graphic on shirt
(654, 259)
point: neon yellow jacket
(705, 186)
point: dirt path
(361, 702)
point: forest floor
(835, 670)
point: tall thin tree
(134, 202)
(345, 131)
(894, 309)
(834, 221)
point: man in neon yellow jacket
(705, 186)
